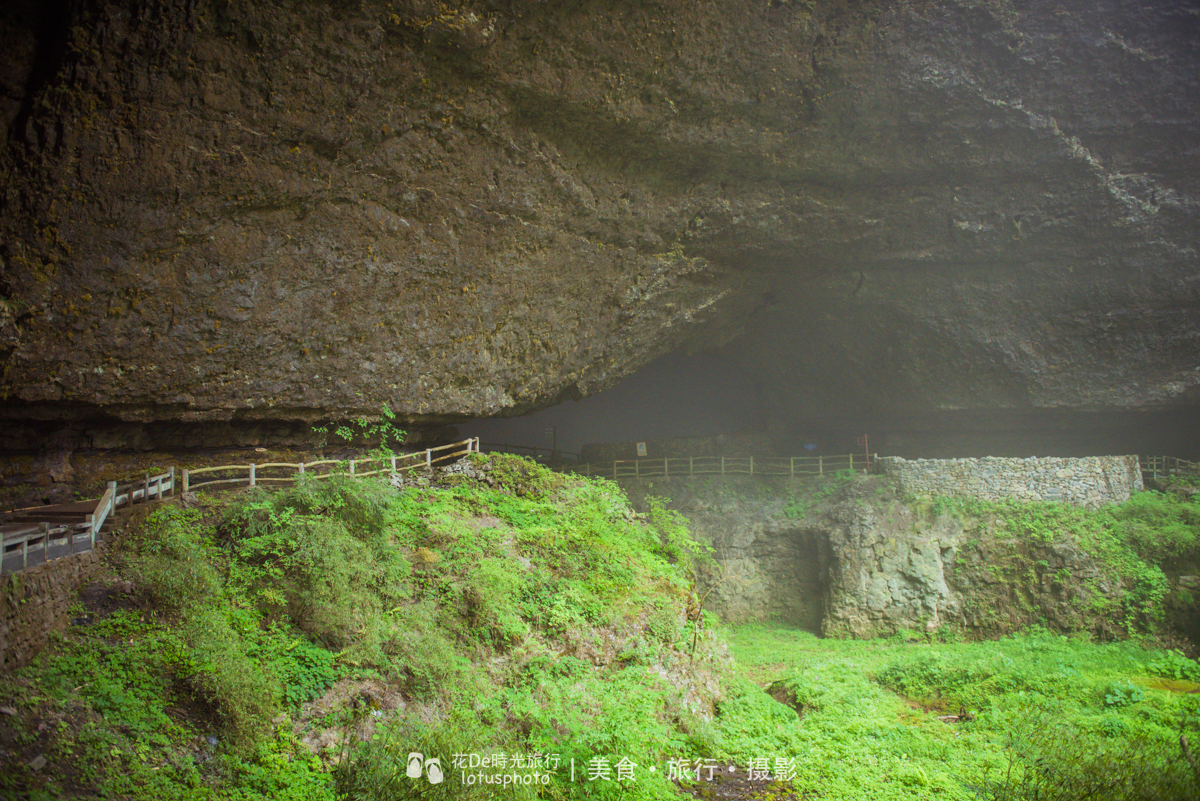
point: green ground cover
(1032, 716)
(304, 644)
(1130, 544)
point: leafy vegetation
(372, 622)
(1130, 543)
(1031, 716)
(307, 643)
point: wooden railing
(1167, 466)
(252, 474)
(39, 538)
(35, 540)
(720, 465)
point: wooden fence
(1167, 466)
(35, 541)
(29, 541)
(720, 465)
(284, 472)
(42, 540)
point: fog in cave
(679, 395)
(706, 395)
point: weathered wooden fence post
(252, 482)
(722, 465)
(91, 524)
(185, 480)
(111, 494)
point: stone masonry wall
(34, 603)
(1089, 481)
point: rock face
(226, 210)
(855, 560)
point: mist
(679, 395)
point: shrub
(1051, 761)
(1173, 664)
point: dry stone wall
(1089, 481)
(34, 604)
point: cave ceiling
(233, 210)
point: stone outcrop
(857, 560)
(236, 211)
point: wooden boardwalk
(40, 534)
(44, 533)
(34, 536)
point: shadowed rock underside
(233, 211)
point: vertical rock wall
(858, 559)
(1089, 481)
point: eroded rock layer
(226, 210)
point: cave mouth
(679, 395)
(709, 394)
(796, 564)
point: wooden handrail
(716, 465)
(155, 486)
(1165, 466)
(426, 457)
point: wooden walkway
(43, 533)
(40, 534)
(34, 536)
(1156, 467)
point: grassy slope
(1050, 716)
(302, 644)
(525, 613)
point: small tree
(382, 431)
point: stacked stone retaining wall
(34, 604)
(1089, 481)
